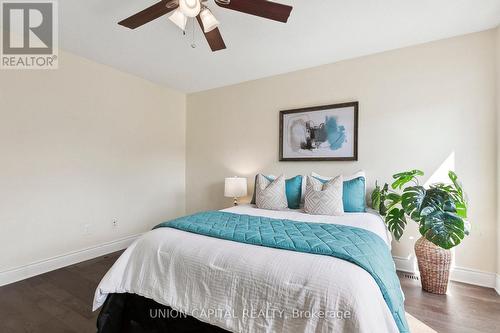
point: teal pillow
(294, 191)
(353, 196)
(293, 188)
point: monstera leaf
(403, 178)
(412, 200)
(458, 195)
(456, 192)
(436, 197)
(441, 225)
(376, 197)
(396, 222)
(392, 200)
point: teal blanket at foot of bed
(356, 245)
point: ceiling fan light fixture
(190, 8)
(179, 19)
(209, 20)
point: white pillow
(324, 198)
(302, 192)
(271, 194)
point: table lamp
(235, 187)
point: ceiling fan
(184, 9)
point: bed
(220, 285)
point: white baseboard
(472, 276)
(405, 264)
(50, 264)
(459, 274)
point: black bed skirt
(131, 313)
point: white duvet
(247, 288)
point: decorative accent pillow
(324, 198)
(270, 194)
(293, 188)
(354, 191)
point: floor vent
(411, 276)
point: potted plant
(440, 212)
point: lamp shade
(235, 187)
(208, 19)
(179, 19)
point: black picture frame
(354, 157)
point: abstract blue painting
(323, 133)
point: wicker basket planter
(434, 266)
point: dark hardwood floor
(465, 308)
(60, 301)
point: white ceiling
(318, 32)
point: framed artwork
(322, 133)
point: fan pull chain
(193, 44)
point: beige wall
(419, 107)
(498, 157)
(82, 145)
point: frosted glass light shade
(190, 8)
(209, 20)
(235, 187)
(179, 19)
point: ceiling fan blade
(263, 8)
(214, 38)
(149, 14)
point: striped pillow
(324, 198)
(270, 194)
